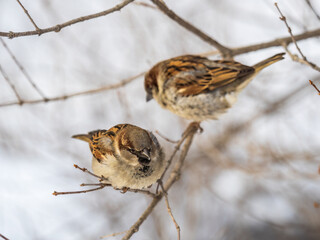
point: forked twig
(294, 57)
(284, 19)
(103, 182)
(58, 27)
(26, 12)
(176, 149)
(225, 52)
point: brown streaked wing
(193, 75)
(101, 141)
(100, 144)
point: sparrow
(126, 155)
(197, 88)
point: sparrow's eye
(131, 150)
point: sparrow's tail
(265, 63)
(83, 137)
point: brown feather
(193, 75)
(99, 141)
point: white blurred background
(242, 179)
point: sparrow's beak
(149, 97)
(144, 157)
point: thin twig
(304, 58)
(101, 178)
(26, 11)
(275, 43)
(234, 51)
(145, 5)
(5, 76)
(113, 234)
(77, 192)
(176, 149)
(87, 92)
(23, 70)
(165, 138)
(312, 9)
(170, 211)
(284, 19)
(58, 27)
(174, 176)
(95, 184)
(3, 237)
(296, 58)
(101, 185)
(314, 86)
(225, 52)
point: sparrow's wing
(100, 144)
(101, 141)
(192, 75)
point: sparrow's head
(137, 147)
(151, 82)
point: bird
(196, 88)
(128, 156)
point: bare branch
(165, 138)
(176, 149)
(170, 211)
(26, 11)
(103, 182)
(58, 27)
(304, 58)
(3, 237)
(225, 52)
(76, 192)
(284, 19)
(87, 92)
(296, 58)
(23, 70)
(174, 176)
(312, 9)
(5, 76)
(275, 43)
(145, 5)
(314, 86)
(101, 178)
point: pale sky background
(238, 191)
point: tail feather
(83, 137)
(265, 63)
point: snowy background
(257, 183)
